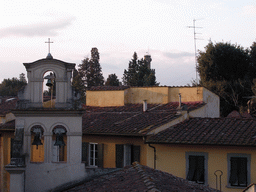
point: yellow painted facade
(109, 151)
(153, 95)
(172, 159)
(105, 98)
(5, 158)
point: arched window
(49, 89)
(59, 150)
(37, 144)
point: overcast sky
(119, 28)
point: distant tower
(148, 60)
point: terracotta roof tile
(130, 119)
(7, 104)
(140, 178)
(8, 126)
(209, 131)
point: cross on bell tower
(49, 56)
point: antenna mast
(194, 26)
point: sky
(118, 28)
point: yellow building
(7, 124)
(211, 151)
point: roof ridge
(155, 107)
(150, 185)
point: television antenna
(195, 38)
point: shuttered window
(92, 154)
(196, 169)
(238, 171)
(126, 155)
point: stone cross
(48, 44)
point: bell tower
(48, 137)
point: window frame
(239, 155)
(126, 154)
(85, 156)
(205, 155)
(94, 156)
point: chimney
(145, 106)
(179, 101)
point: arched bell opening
(49, 89)
(37, 144)
(59, 141)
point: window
(126, 155)
(59, 140)
(196, 167)
(37, 144)
(239, 170)
(92, 154)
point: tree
(10, 87)
(89, 74)
(112, 80)
(22, 78)
(138, 73)
(130, 76)
(90, 70)
(224, 69)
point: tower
(148, 60)
(48, 139)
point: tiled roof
(130, 119)
(8, 126)
(7, 104)
(209, 131)
(140, 178)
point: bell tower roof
(49, 56)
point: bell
(49, 83)
(59, 140)
(37, 140)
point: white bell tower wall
(32, 95)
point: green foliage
(10, 87)
(112, 80)
(139, 74)
(89, 74)
(90, 70)
(225, 69)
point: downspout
(154, 154)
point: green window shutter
(100, 155)
(199, 177)
(233, 178)
(135, 153)
(12, 141)
(119, 156)
(85, 153)
(191, 168)
(238, 173)
(242, 176)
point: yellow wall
(105, 98)
(5, 153)
(154, 95)
(151, 94)
(110, 148)
(171, 158)
(188, 94)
